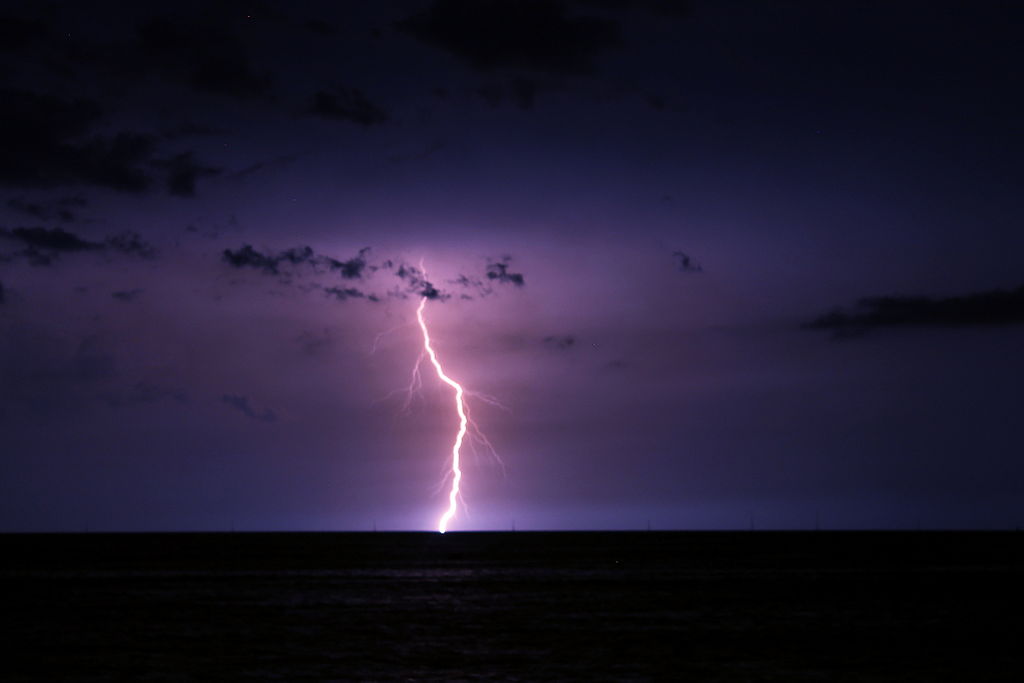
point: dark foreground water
(816, 606)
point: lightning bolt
(460, 408)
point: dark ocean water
(629, 606)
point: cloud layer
(534, 35)
(993, 307)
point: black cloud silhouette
(43, 245)
(993, 307)
(47, 142)
(498, 271)
(685, 263)
(51, 142)
(241, 404)
(182, 173)
(347, 104)
(537, 35)
(126, 295)
(62, 209)
(248, 257)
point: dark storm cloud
(685, 263)
(61, 209)
(429, 291)
(414, 281)
(241, 404)
(131, 243)
(354, 267)
(127, 295)
(43, 245)
(142, 393)
(182, 173)
(190, 129)
(495, 272)
(474, 284)
(498, 272)
(30, 208)
(343, 293)
(994, 307)
(201, 52)
(248, 257)
(347, 104)
(536, 35)
(47, 142)
(276, 162)
(674, 8)
(18, 33)
(562, 342)
(522, 92)
(417, 284)
(56, 239)
(50, 142)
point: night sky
(722, 264)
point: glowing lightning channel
(460, 407)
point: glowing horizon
(460, 407)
